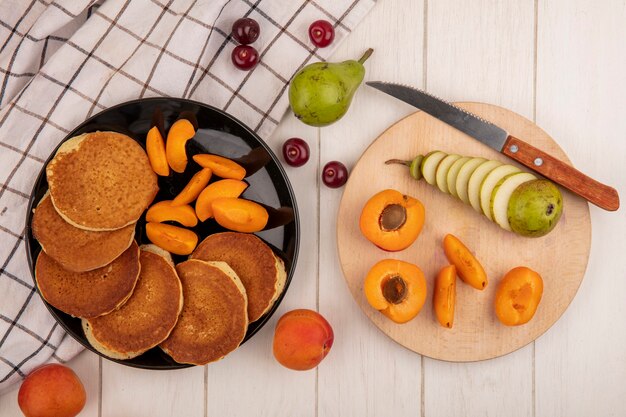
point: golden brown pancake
(149, 315)
(101, 181)
(88, 294)
(214, 320)
(76, 249)
(261, 272)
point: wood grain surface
(559, 257)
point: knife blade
(499, 139)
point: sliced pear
(429, 165)
(501, 194)
(462, 179)
(476, 179)
(490, 182)
(442, 171)
(453, 173)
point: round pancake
(101, 181)
(76, 249)
(214, 320)
(149, 315)
(88, 294)
(261, 272)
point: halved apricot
(219, 189)
(396, 288)
(467, 266)
(222, 167)
(239, 215)
(193, 188)
(391, 220)
(518, 296)
(164, 211)
(155, 148)
(172, 238)
(181, 131)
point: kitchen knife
(497, 138)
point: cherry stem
(398, 161)
(366, 55)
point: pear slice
(501, 195)
(490, 182)
(453, 173)
(429, 165)
(442, 171)
(462, 179)
(476, 179)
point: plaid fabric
(62, 61)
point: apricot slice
(396, 288)
(239, 215)
(155, 148)
(467, 266)
(219, 189)
(172, 238)
(518, 296)
(222, 167)
(391, 220)
(444, 296)
(193, 188)
(164, 211)
(181, 131)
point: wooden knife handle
(595, 192)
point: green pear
(321, 93)
(534, 208)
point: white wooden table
(561, 63)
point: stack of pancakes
(133, 298)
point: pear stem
(366, 55)
(398, 161)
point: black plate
(218, 133)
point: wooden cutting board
(560, 257)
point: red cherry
(245, 30)
(321, 33)
(335, 174)
(245, 57)
(295, 152)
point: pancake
(214, 320)
(76, 249)
(101, 181)
(149, 315)
(88, 294)
(261, 272)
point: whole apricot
(51, 391)
(302, 338)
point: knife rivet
(514, 149)
(538, 162)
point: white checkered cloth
(63, 61)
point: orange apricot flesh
(172, 238)
(518, 296)
(444, 296)
(392, 221)
(396, 288)
(193, 188)
(222, 167)
(181, 131)
(164, 211)
(155, 148)
(218, 189)
(239, 215)
(467, 266)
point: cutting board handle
(593, 191)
